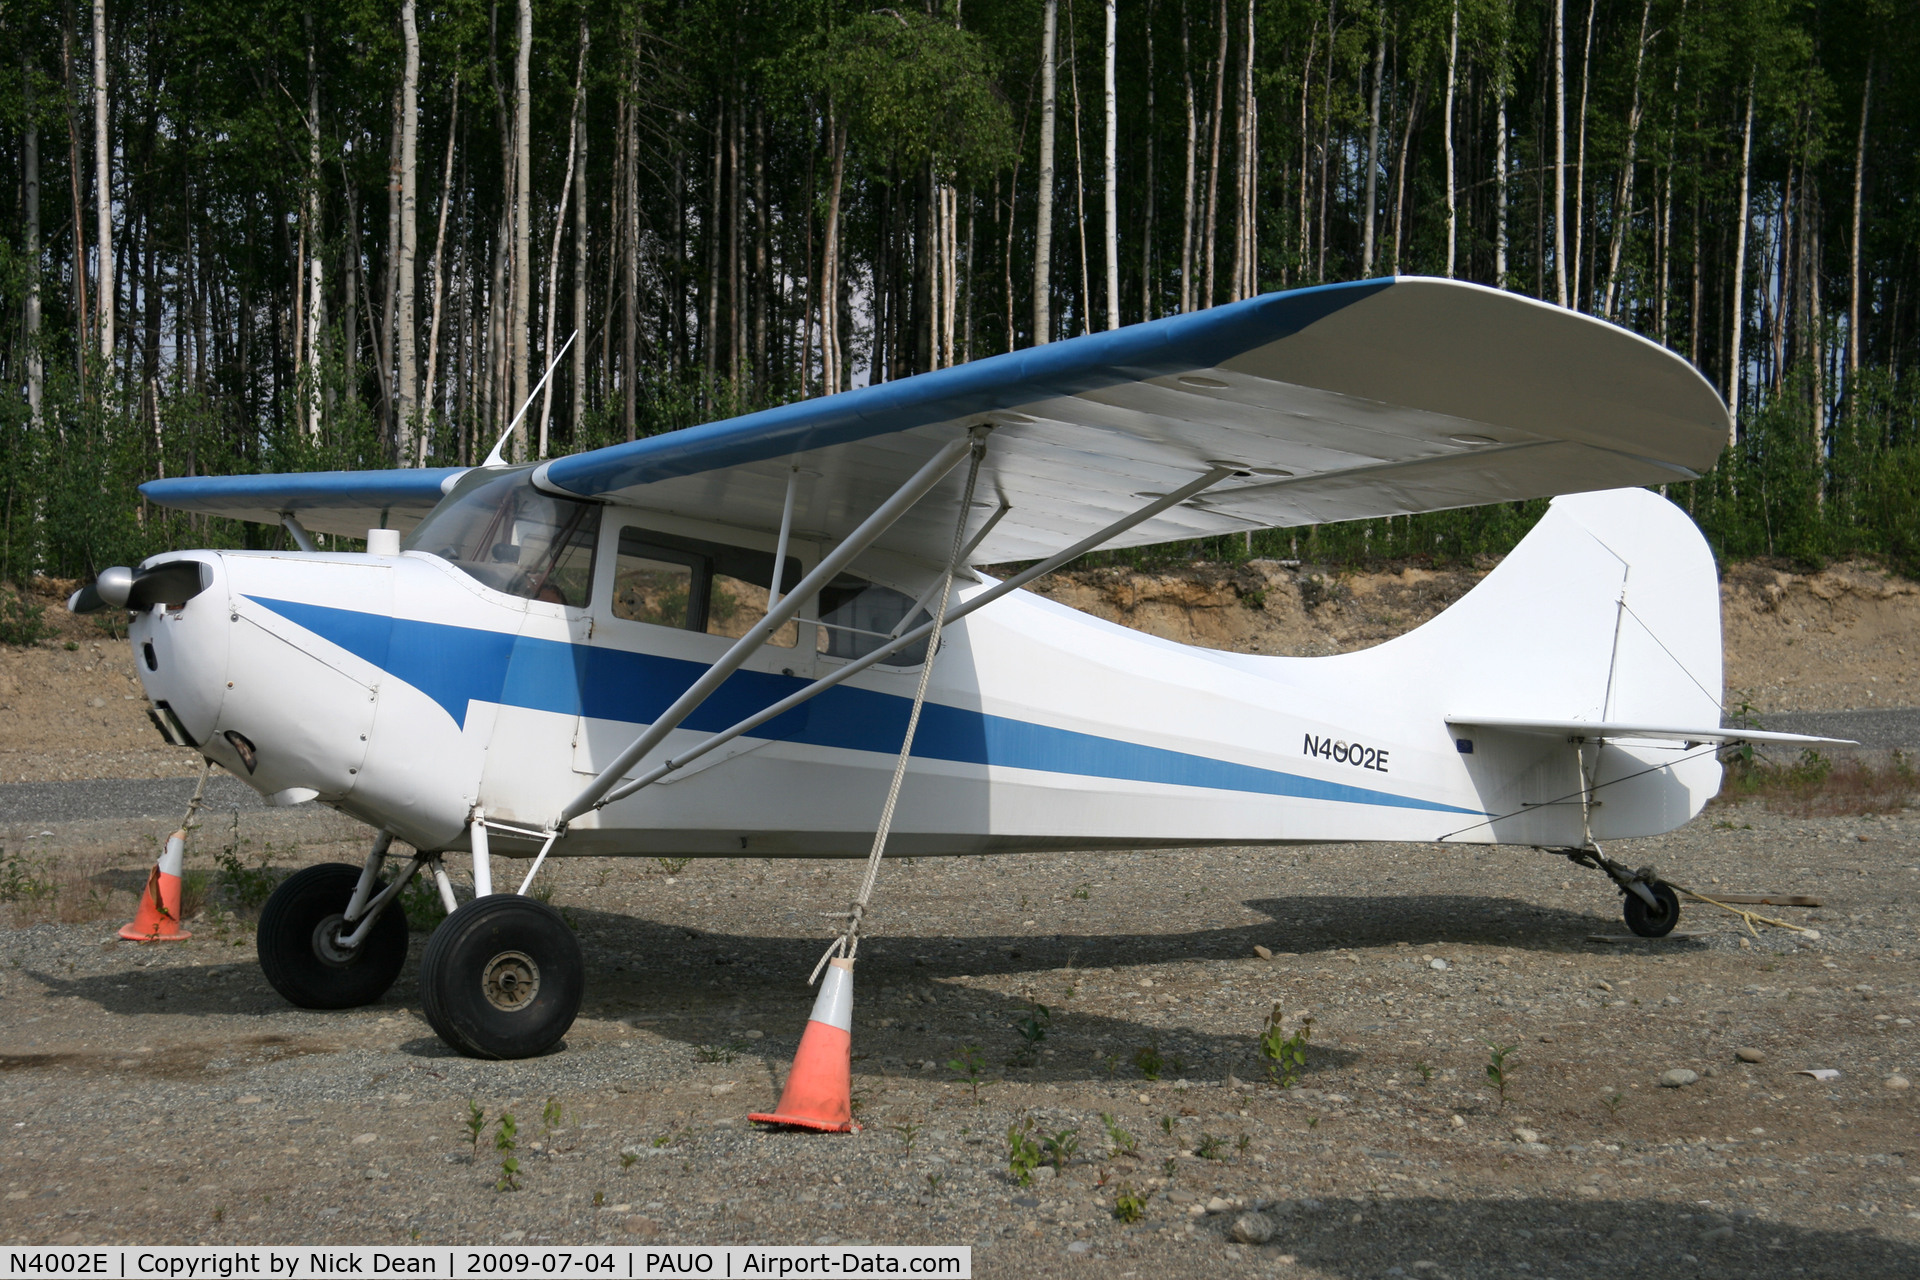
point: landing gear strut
(1651, 906)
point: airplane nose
(180, 640)
(172, 584)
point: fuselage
(412, 690)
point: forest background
(273, 236)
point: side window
(857, 617)
(694, 585)
(656, 584)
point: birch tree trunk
(79, 273)
(1193, 149)
(1560, 151)
(409, 432)
(102, 190)
(559, 226)
(1249, 173)
(1043, 215)
(1209, 253)
(441, 276)
(1112, 177)
(316, 317)
(1400, 169)
(831, 366)
(1853, 253)
(627, 248)
(1580, 160)
(1446, 133)
(1500, 171)
(1079, 178)
(1306, 152)
(1146, 238)
(1623, 204)
(1738, 308)
(1369, 216)
(522, 226)
(381, 328)
(30, 191)
(580, 265)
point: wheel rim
(511, 981)
(326, 942)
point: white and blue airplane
(709, 643)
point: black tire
(296, 927)
(1647, 922)
(502, 977)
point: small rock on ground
(1253, 1228)
(1678, 1078)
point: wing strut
(778, 616)
(912, 637)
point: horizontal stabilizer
(1615, 729)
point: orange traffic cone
(819, 1092)
(158, 919)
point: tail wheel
(502, 977)
(1647, 922)
(299, 942)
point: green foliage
(720, 1052)
(1286, 1055)
(1208, 1148)
(1119, 1141)
(909, 1135)
(476, 1123)
(673, 866)
(1129, 1206)
(1061, 1146)
(1023, 1153)
(21, 621)
(1147, 1058)
(919, 90)
(505, 1142)
(24, 879)
(968, 1067)
(420, 903)
(247, 887)
(1497, 1070)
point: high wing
(1382, 397)
(347, 503)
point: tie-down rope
(847, 945)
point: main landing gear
(502, 976)
(1651, 905)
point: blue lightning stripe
(455, 666)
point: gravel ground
(88, 798)
(164, 1094)
(1893, 728)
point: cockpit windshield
(500, 530)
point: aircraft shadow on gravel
(1597, 1238)
(703, 988)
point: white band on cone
(174, 859)
(834, 1004)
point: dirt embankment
(1844, 638)
(1847, 637)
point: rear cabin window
(500, 530)
(693, 585)
(857, 617)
